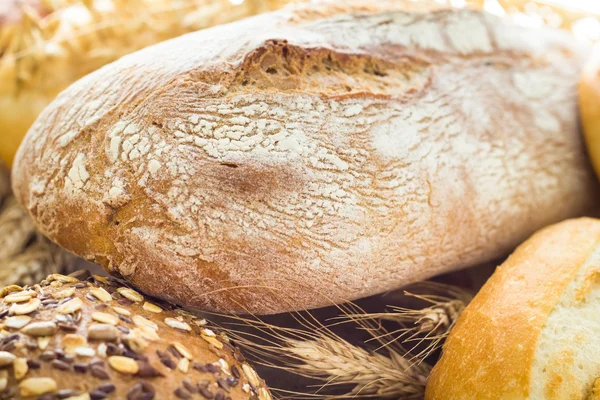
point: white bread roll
(532, 331)
(322, 153)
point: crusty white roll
(96, 339)
(316, 154)
(532, 331)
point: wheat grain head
(339, 367)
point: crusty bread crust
(316, 154)
(490, 352)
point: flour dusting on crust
(342, 153)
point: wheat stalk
(393, 369)
(37, 260)
(427, 328)
(344, 369)
(439, 317)
(424, 329)
(16, 229)
(371, 374)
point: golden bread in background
(589, 104)
(47, 45)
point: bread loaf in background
(532, 331)
(316, 154)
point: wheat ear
(372, 374)
(344, 369)
(424, 329)
(341, 368)
(37, 261)
(16, 229)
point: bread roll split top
(532, 331)
(97, 338)
(313, 155)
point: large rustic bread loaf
(532, 332)
(97, 339)
(315, 154)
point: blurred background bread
(532, 330)
(589, 104)
(96, 338)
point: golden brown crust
(99, 339)
(490, 351)
(589, 105)
(321, 154)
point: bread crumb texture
(567, 358)
(318, 153)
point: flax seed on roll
(99, 339)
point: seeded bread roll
(316, 154)
(98, 339)
(589, 103)
(532, 331)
